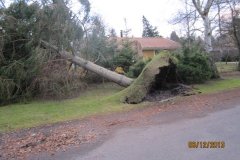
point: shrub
(137, 68)
(193, 66)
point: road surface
(170, 141)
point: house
(148, 47)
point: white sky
(158, 12)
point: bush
(193, 66)
(136, 69)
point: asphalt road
(170, 141)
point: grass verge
(219, 85)
(100, 99)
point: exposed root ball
(157, 74)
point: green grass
(219, 85)
(97, 100)
(229, 67)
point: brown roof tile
(157, 43)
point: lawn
(100, 99)
(224, 67)
(219, 85)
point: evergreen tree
(174, 37)
(148, 29)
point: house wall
(148, 54)
(148, 51)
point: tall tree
(148, 29)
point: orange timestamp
(206, 144)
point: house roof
(156, 43)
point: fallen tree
(158, 74)
(101, 71)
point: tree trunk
(208, 44)
(101, 71)
(207, 33)
(203, 12)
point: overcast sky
(158, 12)
(113, 12)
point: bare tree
(188, 18)
(203, 11)
(228, 23)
